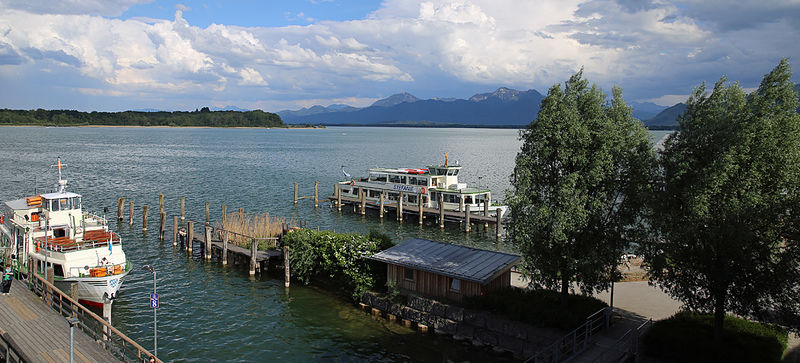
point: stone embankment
(478, 327)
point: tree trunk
(719, 315)
(564, 290)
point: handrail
(574, 342)
(142, 355)
(236, 233)
(11, 351)
(625, 347)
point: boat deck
(40, 333)
(413, 209)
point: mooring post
(400, 207)
(160, 203)
(208, 212)
(162, 222)
(144, 217)
(183, 209)
(316, 194)
(253, 249)
(189, 236)
(130, 213)
(295, 193)
(174, 230)
(499, 223)
(207, 244)
(363, 196)
(486, 203)
(420, 205)
(286, 265)
(241, 214)
(336, 192)
(380, 206)
(338, 198)
(224, 248)
(467, 225)
(120, 207)
(441, 210)
(222, 219)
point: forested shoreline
(203, 117)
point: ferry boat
(430, 186)
(77, 247)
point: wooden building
(446, 271)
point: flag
(346, 175)
(111, 243)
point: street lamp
(154, 306)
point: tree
(727, 214)
(578, 187)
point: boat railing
(100, 270)
(117, 343)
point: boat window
(412, 199)
(377, 177)
(53, 205)
(63, 204)
(468, 199)
(59, 232)
(452, 172)
(412, 180)
(402, 180)
(394, 178)
(58, 270)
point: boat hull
(94, 290)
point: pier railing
(626, 348)
(117, 343)
(574, 343)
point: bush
(540, 308)
(338, 256)
(689, 337)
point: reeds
(254, 225)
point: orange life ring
(423, 190)
(352, 183)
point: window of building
(455, 285)
(409, 274)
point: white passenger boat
(52, 230)
(430, 186)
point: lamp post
(154, 306)
(72, 323)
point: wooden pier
(36, 333)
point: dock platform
(40, 333)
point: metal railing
(10, 352)
(117, 343)
(576, 341)
(626, 347)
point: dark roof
(466, 263)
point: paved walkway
(41, 332)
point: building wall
(433, 285)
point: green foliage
(383, 240)
(204, 117)
(686, 337)
(727, 215)
(540, 308)
(337, 256)
(579, 186)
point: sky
(116, 55)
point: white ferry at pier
(78, 248)
(430, 186)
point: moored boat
(51, 232)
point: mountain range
(504, 107)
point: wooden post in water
(380, 206)
(336, 192)
(400, 207)
(224, 248)
(486, 203)
(120, 207)
(224, 214)
(174, 230)
(421, 205)
(338, 198)
(189, 236)
(207, 244)
(241, 214)
(286, 266)
(163, 221)
(467, 225)
(144, 217)
(499, 223)
(441, 210)
(130, 213)
(253, 249)
(316, 194)
(363, 201)
(295, 193)
(208, 212)
(183, 209)
(160, 203)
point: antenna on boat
(62, 184)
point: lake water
(211, 313)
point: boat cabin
(445, 271)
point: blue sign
(153, 301)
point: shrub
(540, 308)
(689, 337)
(338, 256)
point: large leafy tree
(727, 215)
(578, 186)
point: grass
(540, 308)
(688, 337)
(254, 225)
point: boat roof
(461, 262)
(19, 204)
(60, 195)
(411, 171)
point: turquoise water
(211, 313)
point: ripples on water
(211, 313)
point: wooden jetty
(32, 331)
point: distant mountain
(646, 110)
(229, 108)
(668, 117)
(504, 107)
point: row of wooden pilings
(188, 235)
(466, 217)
